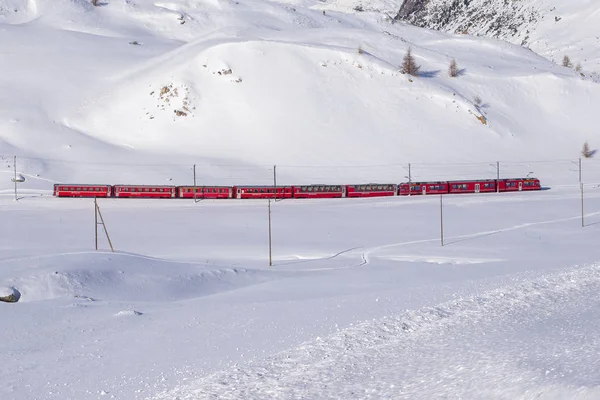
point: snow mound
(17, 11)
(378, 359)
(128, 313)
(95, 277)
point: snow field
(189, 291)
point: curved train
(297, 192)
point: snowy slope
(253, 83)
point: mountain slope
(551, 28)
(255, 83)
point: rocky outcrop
(9, 294)
(507, 19)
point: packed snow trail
(486, 346)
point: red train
(298, 192)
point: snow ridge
(366, 361)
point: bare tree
(409, 65)
(94, 2)
(567, 62)
(477, 100)
(453, 69)
(578, 67)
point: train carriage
(205, 192)
(476, 186)
(371, 190)
(319, 191)
(422, 188)
(78, 190)
(263, 192)
(518, 184)
(145, 191)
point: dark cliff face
(495, 18)
(411, 7)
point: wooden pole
(15, 167)
(96, 220)
(275, 180)
(441, 220)
(270, 248)
(582, 217)
(105, 230)
(497, 176)
(195, 188)
(409, 180)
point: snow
(209, 303)
(187, 305)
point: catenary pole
(441, 220)
(582, 216)
(15, 167)
(497, 176)
(96, 221)
(275, 180)
(270, 248)
(195, 188)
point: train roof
(424, 182)
(519, 179)
(161, 186)
(206, 186)
(260, 186)
(472, 180)
(82, 184)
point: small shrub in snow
(94, 2)
(360, 50)
(567, 62)
(477, 100)
(578, 67)
(453, 69)
(409, 65)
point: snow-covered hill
(253, 83)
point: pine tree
(567, 62)
(586, 152)
(453, 69)
(409, 65)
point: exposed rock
(9, 294)
(495, 18)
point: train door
(520, 186)
(424, 189)
(477, 188)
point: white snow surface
(361, 301)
